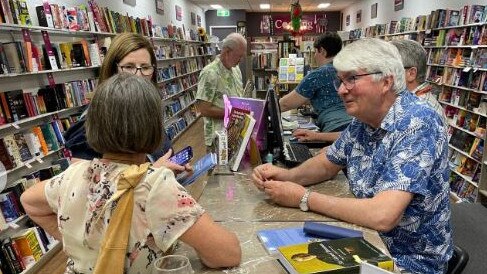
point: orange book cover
(38, 132)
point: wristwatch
(303, 205)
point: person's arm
(36, 206)
(382, 212)
(207, 109)
(216, 246)
(306, 135)
(292, 100)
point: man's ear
(387, 83)
(411, 74)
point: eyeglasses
(146, 70)
(349, 82)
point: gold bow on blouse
(111, 257)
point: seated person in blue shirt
(395, 152)
(317, 88)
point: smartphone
(183, 156)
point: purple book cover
(257, 107)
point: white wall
(142, 9)
(386, 13)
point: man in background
(414, 59)
(222, 76)
(317, 88)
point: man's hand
(164, 161)
(304, 135)
(266, 172)
(282, 193)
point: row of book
(467, 36)
(22, 248)
(176, 50)
(458, 77)
(176, 105)
(467, 143)
(88, 17)
(27, 56)
(17, 105)
(18, 148)
(463, 189)
(179, 68)
(175, 128)
(262, 82)
(471, 122)
(440, 18)
(267, 60)
(459, 57)
(178, 85)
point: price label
(39, 160)
(467, 69)
(15, 126)
(28, 165)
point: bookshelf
(63, 79)
(457, 68)
(264, 59)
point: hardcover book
(334, 256)
(243, 136)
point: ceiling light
(323, 5)
(217, 7)
(265, 6)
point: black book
(46, 173)
(78, 57)
(47, 64)
(13, 8)
(50, 99)
(41, 16)
(15, 101)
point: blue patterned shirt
(408, 153)
(318, 87)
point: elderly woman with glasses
(130, 53)
(395, 152)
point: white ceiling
(276, 5)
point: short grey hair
(233, 41)
(125, 116)
(372, 55)
(412, 55)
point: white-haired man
(395, 152)
(222, 76)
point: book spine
(48, 14)
(50, 53)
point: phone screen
(182, 157)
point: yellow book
(66, 49)
(333, 256)
(28, 246)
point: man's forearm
(312, 171)
(207, 109)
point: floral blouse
(163, 211)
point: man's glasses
(146, 70)
(349, 82)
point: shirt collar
(394, 112)
(220, 64)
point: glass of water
(173, 264)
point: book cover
(334, 256)
(242, 140)
(257, 108)
(24, 16)
(13, 58)
(5, 157)
(28, 246)
(200, 167)
(275, 238)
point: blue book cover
(310, 232)
(201, 166)
(274, 238)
